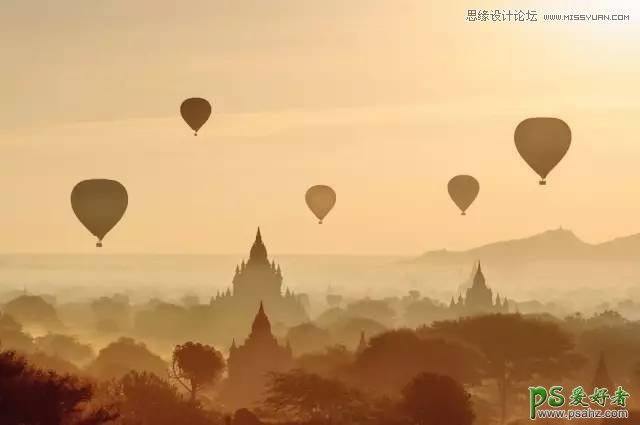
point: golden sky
(384, 100)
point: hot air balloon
(542, 143)
(463, 190)
(195, 111)
(99, 204)
(320, 200)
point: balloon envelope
(542, 143)
(463, 190)
(99, 204)
(320, 200)
(195, 111)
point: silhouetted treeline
(347, 366)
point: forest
(164, 363)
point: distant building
(256, 281)
(601, 378)
(249, 364)
(478, 299)
(362, 344)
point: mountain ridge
(556, 244)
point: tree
(334, 361)
(392, 359)
(516, 347)
(111, 312)
(347, 331)
(198, 365)
(47, 362)
(308, 337)
(124, 355)
(606, 318)
(64, 346)
(12, 336)
(378, 310)
(143, 398)
(432, 399)
(309, 397)
(162, 320)
(34, 397)
(32, 309)
(621, 343)
(245, 417)
(425, 311)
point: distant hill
(552, 245)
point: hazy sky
(384, 100)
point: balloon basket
(463, 213)
(543, 182)
(98, 244)
(319, 221)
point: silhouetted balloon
(463, 190)
(320, 200)
(542, 143)
(99, 204)
(195, 111)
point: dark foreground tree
(245, 417)
(143, 398)
(516, 347)
(195, 366)
(431, 399)
(309, 397)
(30, 396)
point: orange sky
(383, 100)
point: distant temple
(256, 281)
(601, 378)
(362, 344)
(478, 299)
(249, 364)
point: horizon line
(205, 254)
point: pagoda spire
(258, 253)
(261, 325)
(362, 344)
(601, 378)
(478, 279)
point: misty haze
(363, 212)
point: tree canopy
(198, 365)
